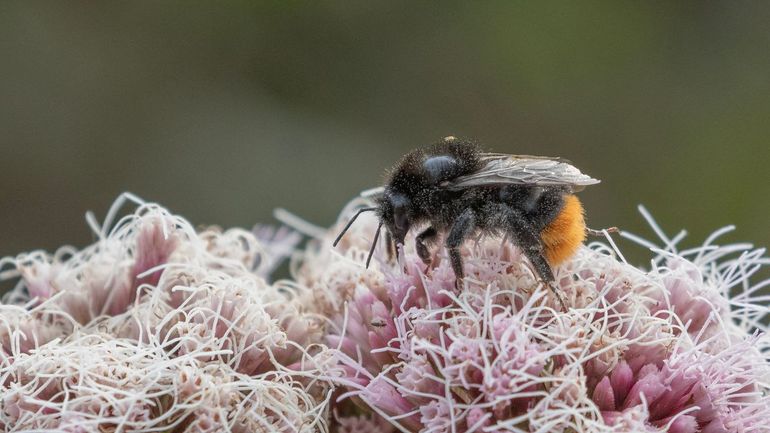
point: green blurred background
(224, 111)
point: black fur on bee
(455, 189)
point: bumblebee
(455, 189)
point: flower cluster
(155, 327)
(680, 348)
(159, 327)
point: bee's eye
(440, 167)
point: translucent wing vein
(524, 170)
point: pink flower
(362, 424)
(692, 391)
(104, 278)
(154, 245)
(155, 327)
(637, 351)
(429, 351)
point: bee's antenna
(352, 219)
(374, 244)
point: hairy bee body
(454, 190)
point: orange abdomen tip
(562, 237)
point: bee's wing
(523, 170)
(373, 193)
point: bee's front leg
(463, 227)
(428, 235)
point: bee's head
(395, 211)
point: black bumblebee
(459, 190)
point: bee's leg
(593, 232)
(428, 235)
(527, 238)
(463, 226)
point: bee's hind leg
(526, 237)
(463, 227)
(593, 232)
(543, 269)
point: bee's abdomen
(562, 236)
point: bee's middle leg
(463, 227)
(428, 235)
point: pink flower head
(157, 327)
(636, 351)
(362, 424)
